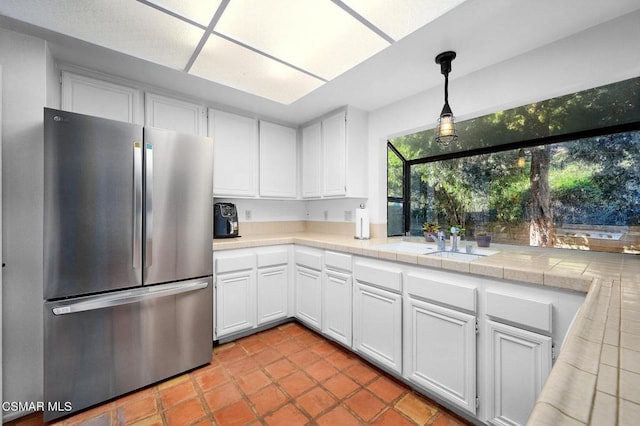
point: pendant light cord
(446, 88)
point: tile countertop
(596, 378)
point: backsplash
(328, 216)
(247, 229)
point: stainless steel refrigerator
(127, 258)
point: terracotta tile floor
(287, 375)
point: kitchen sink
(408, 247)
(432, 250)
(458, 255)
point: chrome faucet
(454, 238)
(442, 241)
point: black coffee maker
(225, 220)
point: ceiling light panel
(316, 36)
(124, 25)
(200, 11)
(228, 63)
(399, 18)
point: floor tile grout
(320, 383)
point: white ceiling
(277, 49)
(229, 57)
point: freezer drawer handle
(127, 297)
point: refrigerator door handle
(137, 205)
(128, 297)
(148, 238)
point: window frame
(406, 164)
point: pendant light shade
(446, 131)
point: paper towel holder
(361, 225)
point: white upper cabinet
(235, 154)
(334, 156)
(312, 161)
(278, 161)
(179, 116)
(86, 95)
(334, 153)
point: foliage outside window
(559, 173)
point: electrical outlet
(247, 215)
(326, 215)
(348, 215)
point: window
(395, 192)
(519, 176)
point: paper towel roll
(362, 224)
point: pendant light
(446, 131)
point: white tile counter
(596, 378)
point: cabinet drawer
(455, 295)
(310, 259)
(379, 275)
(337, 261)
(234, 262)
(523, 312)
(273, 257)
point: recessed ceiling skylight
(317, 36)
(277, 49)
(199, 11)
(232, 65)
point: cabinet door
(277, 161)
(86, 95)
(308, 296)
(519, 363)
(311, 161)
(377, 325)
(235, 153)
(173, 114)
(334, 155)
(272, 294)
(235, 302)
(337, 306)
(440, 355)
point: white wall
(24, 64)
(267, 210)
(600, 55)
(336, 209)
(295, 210)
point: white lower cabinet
(440, 351)
(308, 296)
(336, 306)
(272, 293)
(308, 285)
(252, 288)
(417, 323)
(377, 325)
(440, 340)
(519, 362)
(377, 313)
(337, 296)
(235, 302)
